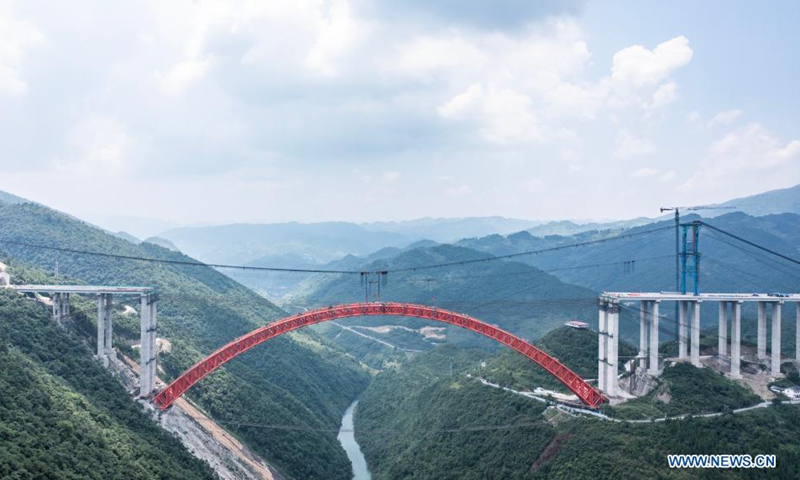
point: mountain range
(299, 379)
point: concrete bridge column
(797, 334)
(776, 338)
(682, 336)
(147, 346)
(612, 372)
(64, 306)
(153, 362)
(144, 346)
(602, 336)
(55, 301)
(736, 339)
(653, 314)
(643, 312)
(722, 343)
(762, 331)
(695, 343)
(60, 307)
(109, 308)
(101, 329)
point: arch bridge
(588, 394)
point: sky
(139, 116)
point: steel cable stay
(323, 271)
(748, 242)
(770, 262)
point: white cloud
(575, 100)
(666, 94)
(725, 118)
(636, 71)
(16, 37)
(638, 67)
(339, 32)
(631, 146)
(322, 93)
(747, 160)
(504, 115)
(509, 117)
(183, 74)
(99, 145)
(645, 172)
(462, 103)
(426, 55)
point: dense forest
(62, 415)
(432, 418)
(517, 297)
(292, 380)
(645, 262)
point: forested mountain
(638, 261)
(62, 415)
(285, 381)
(784, 200)
(517, 297)
(568, 227)
(447, 230)
(245, 243)
(433, 418)
(635, 260)
(9, 198)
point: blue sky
(187, 112)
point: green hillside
(515, 296)
(683, 388)
(407, 438)
(783, 200)
(577, 349)
(63, 416)
(429, 419)
(726, 265)
(285, 382)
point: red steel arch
(588, 394)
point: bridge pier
(654, 366)
(736, 339)
(60, 306)
(761, 350)
(683, 308)
(602, 342)
(643, 324)
(104, 328)
(722, 341)
(695, 343)
(776, 338)
(612, 373)
(147, 347)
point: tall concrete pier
(104, 295)
(689, 326)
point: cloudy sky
(209, 111)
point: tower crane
(678, 211)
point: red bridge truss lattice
(588, 394)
